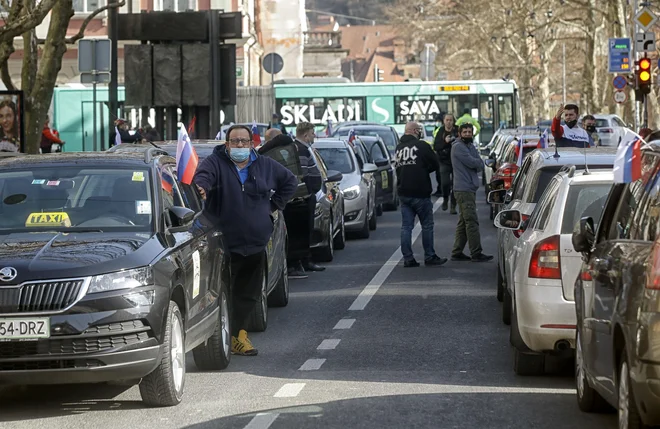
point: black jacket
(244, 210)
(415, 160)
(441, 147)
(126, 137)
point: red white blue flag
(186, 158)
(543, 141)
(520, 151)
(117, 137)
(628, 161)
(352, 136)
(256, 138)
(328, 130)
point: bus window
(505, 107)
(486, 118)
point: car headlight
(352, 192)
(121, 280)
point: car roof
(330, 143)
(367, 126)
(571, 155)
(69, 158)
(593, 176)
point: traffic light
(378, 74)
(643, 78)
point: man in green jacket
(468, 119)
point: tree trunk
(39, 97)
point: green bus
(494, 103)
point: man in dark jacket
(243, 189)
(122, 126)
(467, 164)
(442, 145)
(415, 161)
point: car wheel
(507, 305)
(588, 399)
(340, 239)
(259, 318)
(215, 354)
(627, 408)
(364, 232)
(528, 363)
(378, 210)
(163, 387)
(280, 295)
(327, 253)
(373, 222)
(500, 285)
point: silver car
(610, 129)
(358, 185)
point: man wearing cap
(122, 126)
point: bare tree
(42, 59)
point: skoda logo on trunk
(8, 274)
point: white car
(546, 267)
(358, 185)
(610, 129)
(531, 180)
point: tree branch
(16, 27)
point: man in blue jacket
(242, 189)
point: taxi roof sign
(645, 18)
(48, 219)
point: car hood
(52, 255)
(349, 179)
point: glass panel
(505, 110)
(337, 159)
(183, 5)
(584, 200)
(92, 5)
(486, 118)
(168, 5)
(79, 5)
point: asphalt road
(365, 344)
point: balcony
(323, 39)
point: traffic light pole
(634, 57)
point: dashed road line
(344, 324)
(328, 345)
(372, 287)
(289, 390)
(312, 365)
(262, 421)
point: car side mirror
(181, 218)
(497, 197)
(369, 168)
(583, 235)
(489, 162)
(509, 219)
(382, 162)
(485, 151)
(334, 176)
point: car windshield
(584, 201)
(602, 123)
(74, 199)
(337, 159)
(385, 134)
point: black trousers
(299, 219)
(246, 275)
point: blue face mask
(239, 154)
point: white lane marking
(372, 287)
(262, 421)
(312, 365)
(289, 390)
(328, 345)
(344, 324)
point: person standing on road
(467, 164)
(122, 126)
(48, 138)
(277, 123)
(569, 135)
(242, 189)
(589, 125)
(442, 145)
(415, 161)
(299, 216)
(468, 119)
(271, 133)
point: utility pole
(563, 47)
(633, 29)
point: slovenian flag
(520, 152)
(186, 158)
(167, 182)
(256, 138)
(117, 137)
(628, 161)
(352, 136)
(328, 130)
(543, 141)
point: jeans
(423, 209)
(467, 230)
(299, 219)
(447, 179)
(246, 275)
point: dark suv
(617, 301)
(109, 270)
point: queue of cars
(578, 275)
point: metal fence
(254, 103)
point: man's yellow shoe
(242, 345)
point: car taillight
(506, 174)
(545, 263)
(606, 130)
(520, 232)
(585, 275)
(653, 272)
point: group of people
(458, 162)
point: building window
(175, 5)
(87, 6)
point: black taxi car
(617, 301)
(109, 270)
